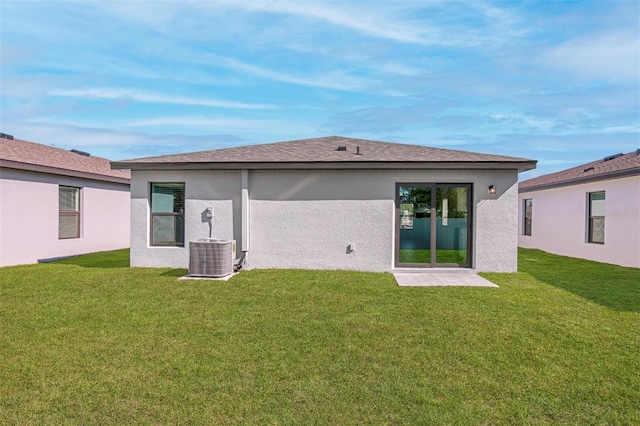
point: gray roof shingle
(607, 168)
(322, 153)
(24, 155)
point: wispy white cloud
(329, 80)
(140, 96)
(116, 144)
(363, 21)
(433, 23)
(613, 56)
(201, 121)
(521, 120)
(213, 123)
(633, 128)
(397, 68)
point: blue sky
(554, 81)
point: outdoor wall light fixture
(492, 190)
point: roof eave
(581, 180)
(521, 166)
(17, 165)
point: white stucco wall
(560, 222)
(29, 217)
(218, 189)
(497, 226)
(307, 219)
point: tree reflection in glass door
(415, 224)
(452, 213)
(433, 237)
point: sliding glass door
(415, 224)
(434, 222)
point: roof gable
(618, 165)
(24, 155)
(326, 152)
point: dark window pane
(179, 230)
(596, 230)
(528, 216)
(164, 229)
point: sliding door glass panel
(415, 224)
(452, 216)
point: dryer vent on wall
(211, 258)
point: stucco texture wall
(29, 217)
(560, 223)
(217, 189)
(496, 228)
(307, 219)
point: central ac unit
(211, 258)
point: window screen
(68, 212)
(167, 214)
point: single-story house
(57, 203)
(329, 203)
(590, 211)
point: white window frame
(177, 216)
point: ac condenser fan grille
(210, 259)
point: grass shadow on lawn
(115, 259)
(175, 273)
(612, 286)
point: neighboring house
(56, 203)
(590, 211)
(329, 203)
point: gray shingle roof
(24, 155)
(607, 168)
(325, 153)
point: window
(596, 218)
(68, 212)
(528, 216)
(167, 214)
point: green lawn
(442, 256)
(90, 341)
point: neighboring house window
(68, 212)
(596, 217)
(167, 214)
(528, 215)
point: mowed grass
(90, 341)
(442, 256)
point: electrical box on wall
(209, 212)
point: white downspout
(245, 211)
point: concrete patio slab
(441, 279)
(225, 278)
